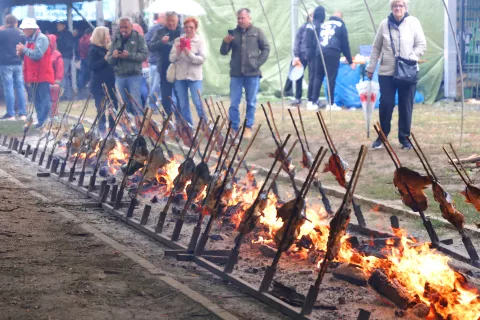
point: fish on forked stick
(307, 160)
(338, 228)
(410, 185)
(440, 195)
(185, 171)
(471, 192)
(287, 163)
(294, 217)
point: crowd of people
(112, 62)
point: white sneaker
(23, 118)
(312, 106)
(333, 107)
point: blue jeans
(134, 86)
(102, 123)
(12, 78)
(42, 100)
(144, 92)
(84, 74)
(251, 85)
(67, 79)
(182, 86)
(154, 85)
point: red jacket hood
(53, 41)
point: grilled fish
(447, 207)
(472, 195)
(338, 168)
(410, 185)
(285, 212)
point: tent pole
(81, 16)
(100, 16)
(276, 54)
(294, 20)
(460, 68)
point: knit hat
(319, 15)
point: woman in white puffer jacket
(409, 41)
(188, 56)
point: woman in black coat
(103, 73)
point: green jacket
(250, 50)
(137, 54)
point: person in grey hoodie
(409, 41)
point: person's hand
(228, 39)
(20, 47)
(166, 39)
(123, 55)
(296, 62)
(369, 75)
(115, 54)
(186, 50)
(353, 66)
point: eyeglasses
(400, 6)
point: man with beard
(127, 53)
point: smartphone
(230, 32)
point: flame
(117, 157)
(167, 175)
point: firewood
(389, 289)
(350, 274)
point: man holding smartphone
(250, 50)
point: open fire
(423, 272)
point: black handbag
(406, 71)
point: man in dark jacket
(333, 37)
(250, 50)
(152, 59)
(83, 46)
(127, 53)
(161, 45)
(300, 57)
(11, 69)
(65, 46)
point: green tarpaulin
(220, 17)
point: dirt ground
(52, 269)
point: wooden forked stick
(387, 145)
(432, 173)
(467, 183)
(230, 147)
(215, 139)
(281, 164)
(224, 110)
(212, 115)
(220, 110)
(273, 121)
(296, 130)
(330, 143)
(246, 150)
(460, 163)
(303, 127)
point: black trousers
(332, 62)
(406, 95)
(311, 78)
(298, 84)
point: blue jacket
(9, 38)
(334, 38)
(152, 58)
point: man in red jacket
(37, 67)
(58, 71)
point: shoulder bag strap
(391, 41)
